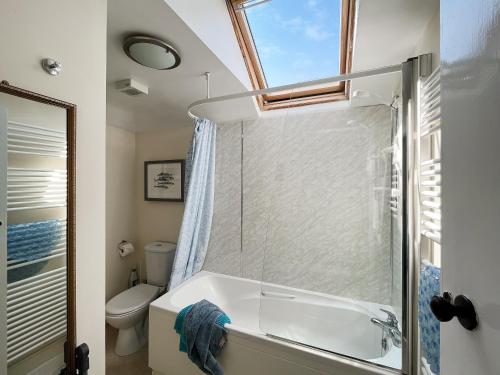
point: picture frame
(164, 180)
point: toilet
(128, 310)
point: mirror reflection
(34, 244)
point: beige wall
(120, 207)
(128, 215)
(73, 32)
(158, 220)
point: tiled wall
(224, 253)
(315, 202)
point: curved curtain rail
(339, 78)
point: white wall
(74, 32)
(120, 207)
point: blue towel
(202, 334)
(429, 286)
(179, 328)
(32, 241)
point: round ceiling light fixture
(151, 52)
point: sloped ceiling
(170, 92)
(387, 32)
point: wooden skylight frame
(331, 93)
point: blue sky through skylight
(297, 40)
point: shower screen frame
(71, 110)
(413, 71)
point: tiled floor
(135, 364)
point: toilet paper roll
(125, 248)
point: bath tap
(390, 326)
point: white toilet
(128, 310)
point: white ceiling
(387, 33)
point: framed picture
(164, 180)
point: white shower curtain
(197, 221)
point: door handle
(82, 359)
(445, 308)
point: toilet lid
(132, 299)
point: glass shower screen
(328, 269)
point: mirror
(37, 250)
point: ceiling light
(151, 52)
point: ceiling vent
(131, 87)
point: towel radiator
(36, 303)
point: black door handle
(445, 308)
(82, 359)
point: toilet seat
(132, 300)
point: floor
(135, 364)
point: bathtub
(333, 324)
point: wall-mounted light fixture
(52, 66)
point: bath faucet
(390, 326)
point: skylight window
(292, 41)
(296, 40)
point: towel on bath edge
(202, 334)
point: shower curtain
(197, 221)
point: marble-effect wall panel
(224, 249)
(261, 149)
(315, 203)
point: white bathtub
(334, 324)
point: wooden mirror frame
(6, 88)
